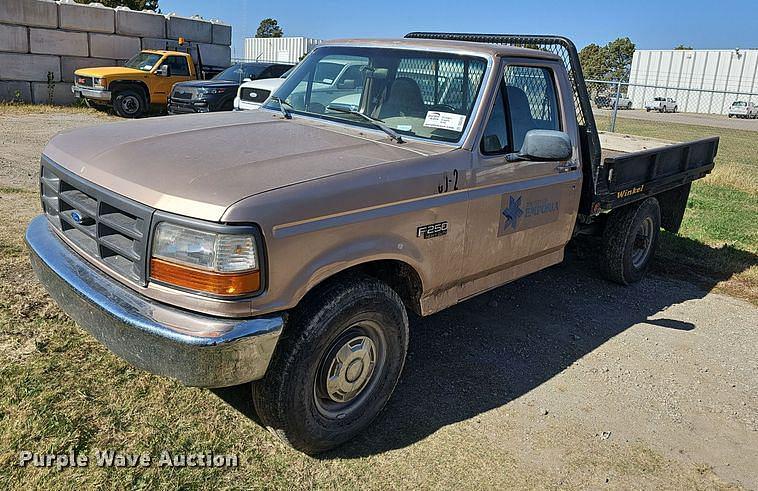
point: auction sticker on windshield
(445, 121)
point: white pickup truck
(662, 105)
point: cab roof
(164, 52)
(494, 50)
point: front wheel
(336, 366)
(630, 239)
(129, 103)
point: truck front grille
(84, 81)
(110, 229)
(254, 95)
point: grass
(718, 242)
(22, 109)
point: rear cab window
(178, 66)
(526, 100)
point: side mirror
(163, 71)
(543, 145)
(347, 84)
(247, 79)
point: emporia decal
(526, 210)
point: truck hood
(207, 83)
(198, 165)
(106, 71)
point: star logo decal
(513, 212)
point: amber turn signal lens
(232, 284)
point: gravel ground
(716, 120)
(560, 379)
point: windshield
(739, 103)
(143, 61)
(660, 99)
(415, 93)
(240, 71)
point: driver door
(178, 71)
(521, 214)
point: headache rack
(565, 49)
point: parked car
(623, 102)
(602, 101)
(286, 246)
(144, 81)
(742, 109)
(661, 104)
(609, 101)
(217, 94)
(251, 95)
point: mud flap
(673, 203)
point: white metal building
(283, 49)
(701, 81)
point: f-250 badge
(432, 230)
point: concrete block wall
(42, 42)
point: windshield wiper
(285, 112)
(375, 121)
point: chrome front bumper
(198, 350)
(98, 94)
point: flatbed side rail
(634, 176)
(566, 50)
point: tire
(129, 103)
(630, 239)
(628, 105)
(675, 109)
(730, 116)
(647, 109)
(328, 335)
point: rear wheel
(630, 239)
(336, 366)
(628, 105)
(129, 103)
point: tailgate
(632, 176)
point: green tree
(593, 60)
(683, 47)
(132, 4)
(269, 28)
(619, 53)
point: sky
(662, 24)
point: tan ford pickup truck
(286, 246)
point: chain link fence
(610, 97)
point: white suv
(742, 109)
(251, 95)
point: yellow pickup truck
(145, 80)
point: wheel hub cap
(350, 369)
(642, 242)
(130, 104)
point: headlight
(206, 90)
(217, 263)
(98, 83)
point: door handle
(567, 167)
